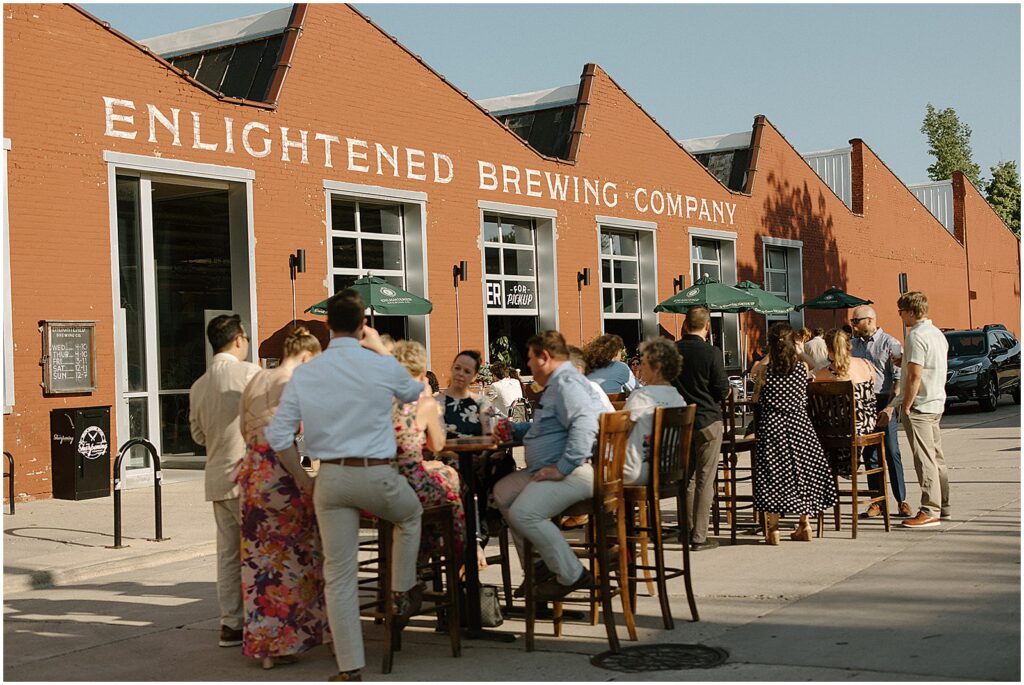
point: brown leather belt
(356, 461)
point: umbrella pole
(371, 317)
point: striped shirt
(879, 349)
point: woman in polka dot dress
(792, 474)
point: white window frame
(511, 278)
(795, 277)
(119, 163)
(414, 242)
(8, 308)
(545, 221)
(727, 275)
(647, 269)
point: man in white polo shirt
(920, 403)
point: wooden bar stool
(733, 473)
(443, 598)
(670, 457)
(606, 512)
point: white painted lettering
(111, 118)
(719, 210)
(197, 143)
(691, 205)
(557, 185)
(392, 159)
(229, 137)
(438, 178)
(533, 183)
(488, 175)
(247, 130)
(576, 189)
(171, 124)
(353, 143)
(589, 190)
(327, 147)
(301, 144)
(614, 195)
(417, 163)
(704, 210)
(731, 208)
(657, 202)
(636, 199)
(675, 204)
(509, 176)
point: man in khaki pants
(920, 403)
(342, 398)
(213, 419)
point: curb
(44, 579)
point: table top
(477, 443)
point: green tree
(1003, 193)
(949, 141)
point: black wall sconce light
(582, 279)
(460, 272)
(678, 283)
(296, 265)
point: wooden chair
(833, 410)
(618, 404)
(442, 599)
(614, 397)
(731, 473)
(670, 457)
(606, 512)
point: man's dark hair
(696, 320)
(552, 341)
(345, 311)
(819, 332)
(222, 330)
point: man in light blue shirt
(881, 349)
(342, 398)
(558, 474)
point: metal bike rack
(118, 486)
(10, 483)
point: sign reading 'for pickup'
(511, 295)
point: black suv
(983, 364)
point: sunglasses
(857, 320)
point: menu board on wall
(69, 356)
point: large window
(710, 256)
(510, 275)
(776, 274)
(782, 275)
(368, 239)
(620, 285)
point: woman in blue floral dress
(282, 559)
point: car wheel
(991, 398)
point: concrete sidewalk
(908, 605)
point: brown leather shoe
(570, 522)
(922, 520)
(904, 512)
(872, 512)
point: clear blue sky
(821, 73)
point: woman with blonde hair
(792, 474)
(417, 425)
(843, 366)
(281, 556)
(660, 363)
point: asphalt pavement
(936, 604)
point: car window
(1009, 342)
(966, 344)
(995, 342)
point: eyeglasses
(857, 320)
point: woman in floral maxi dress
(282, 559)
(419, 424)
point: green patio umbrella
(384, 298)
(708, 292)
(766, 302)
(833, 298)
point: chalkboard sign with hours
(69, 356)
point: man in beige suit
(213, 417)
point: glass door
(175, 249)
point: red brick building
(139, 198)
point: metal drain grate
(660, 658)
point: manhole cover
(660, 658)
